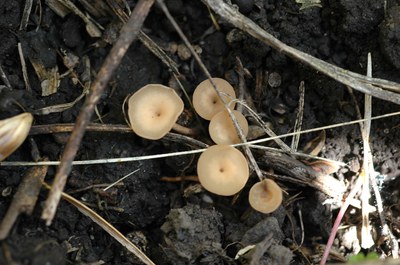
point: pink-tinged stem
(338, 220)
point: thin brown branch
(94, 127)
(128, 33)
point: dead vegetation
(237, 234)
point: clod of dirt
(267, 235)
(10, 15)
(356, 18)
(193, 234)
(71, 32)
(258, 232)
(316, 216)
(390, 36)
(37, 45)
(8, 43)
(33, 250)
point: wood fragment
(128, 34)
(305, 174)
(25, 198)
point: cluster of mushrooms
(222, 169)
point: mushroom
(223, 131)
(265, 196)
(222, 170)
(153, 111)
(13, 132)
(206, 101)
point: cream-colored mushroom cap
(153, 110)
(206, 101)
(13, 132)
(265, 196)
(222, 170)
(222, 130)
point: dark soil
(179, 223)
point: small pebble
(274, 79)
(6, 192)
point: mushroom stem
(184, 130)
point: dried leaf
(49, 78)
(324, 167)
(315, 145)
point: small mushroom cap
(206, 101)
(222, 170)
(222, 130)
(265, 196)
(13, 132)
(153, 110)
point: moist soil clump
(178, 222)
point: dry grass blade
(366, 237)
(111, 230)
(4, 78)
(373, 86)
(25, 14)
(23, 66)
(61, 107)
(299, 118)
